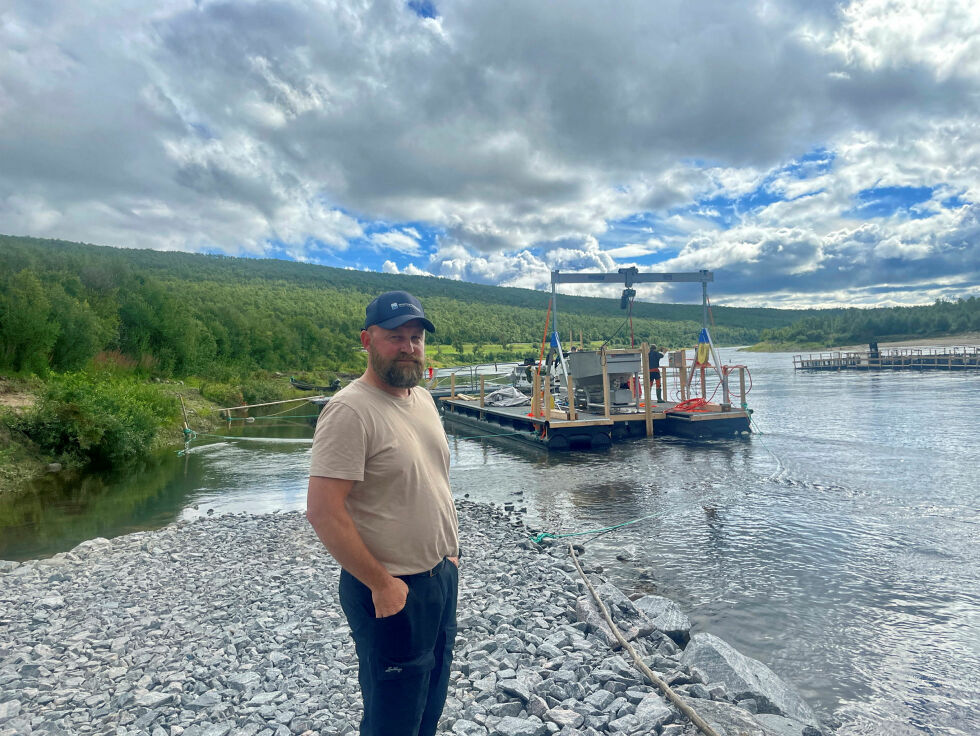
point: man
(379, 500)
(655, 357)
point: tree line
(853, 326)
(175, 314)
(170, 314)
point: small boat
(304, 386)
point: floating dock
(892, 359)
(608, 387)
(588, 431)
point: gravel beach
(230, 625)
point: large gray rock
(9, 709)
(666, 616)
(781, 724)
(510, 726)
(244, 681)
(730, 720)
(463, 727)
(653, 713)
(746, 678)
(152, 699)
(587, 612)
(562, 718)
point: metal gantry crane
(628, 277)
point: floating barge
(892, 359)
(608, 407)
(605, 394)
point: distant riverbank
(965, 338)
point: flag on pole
(704, 348)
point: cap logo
(406, 305)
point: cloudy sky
(811, 153)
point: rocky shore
(230, 625)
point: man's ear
(365, 339)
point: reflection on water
(838, 546)
(254, 467)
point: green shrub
(97, 418)
(222, 394)
(257, 390)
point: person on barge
(655, 357)
(379, 500)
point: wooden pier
(892, 359)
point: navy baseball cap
(393, 309)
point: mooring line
(540, 537)
(683, 707)
(780, 468)
(281, 415)
(285, 440)
(481, 436)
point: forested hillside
(177, 314)
(852, 326)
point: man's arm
(334, 526)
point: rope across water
(540, 537)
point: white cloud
(943, 37)
(637, 250)
(401, 241)
(519, 131)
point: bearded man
(379, 500)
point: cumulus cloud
(402, 241)
(774, 144)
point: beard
(395, 373)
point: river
(838, 544)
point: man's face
(397, 356)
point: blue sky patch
(954, 202)
(887, 201)
(817, 162)
(423, 8)
(724, 211)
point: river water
(838, 544)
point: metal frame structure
(628, 277)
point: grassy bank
(896, 341)
(784, 347)
(110, 418)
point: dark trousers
(403, 660)
(655, 380)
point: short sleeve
(339, 444)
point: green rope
(189, 436)
(747, 410)
(538, 538)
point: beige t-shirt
(396, 452)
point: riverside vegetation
(99, 340)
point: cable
(683, 707)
